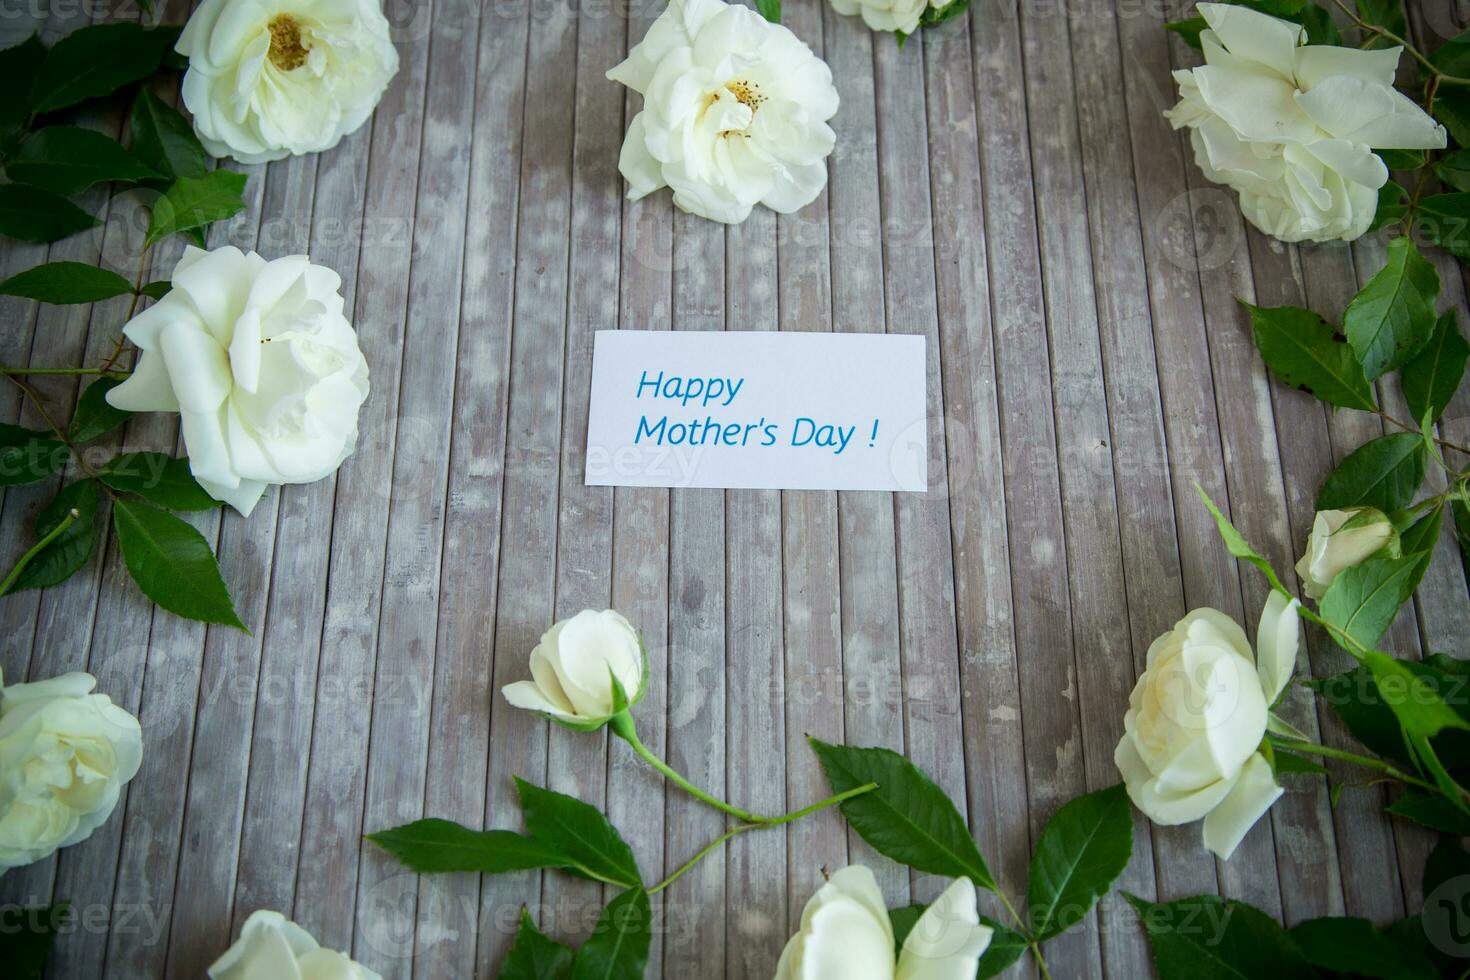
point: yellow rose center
(747, 94)
(287, 52)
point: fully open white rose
(574, 665)
(261, 365)
(271, 947)
(1196, 719)
(1333, 548)
(889, 15)
(735, 112)
(65, 754)
(270, 78)
(846, 933)
(1292, 129)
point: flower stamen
(286, 51)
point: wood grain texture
(1003, 185)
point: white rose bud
(271, 947)
(65, 754)
(1292, 128)
(735, 112)
(270, 78)
(573, 668)
(1340, 540)
(1197, 717)
(845, 932)
(261, 365)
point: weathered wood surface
(1003, 185)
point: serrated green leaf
(618, 947)
(26, 937)
(1189, 30)
(1006, 947)
(1392, 317)
(1454, 170)
(1431, 810)
(98, 60)
(163, 139)
(18, 66)
(434, 846)
(1304, 351)
(907, 818)
(581, 833)
(157, 477)
(1354, 946)
(1353, 696)
(1236, 543)
(94, 416)
(1413, 696)
(1363, 601)
(66, 160)
(172, 563)
(1208, 938)
(1385, 473)
(193, 202)
(33, 215)
(1082, 850)
(66, 282)
(68, 553)
(28, 455)
(533, 956)
(1445, 218)
(1431, 379)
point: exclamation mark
(873, 438)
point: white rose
(270, 78)
(845, 932)
(261, 365)
(574, 665)
(271, 947)
(889, 15)
(1333, 548)
(1292, 128)
(735, 112)
(1197, 717)
(65, 754)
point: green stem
(22, 372)
(739, 829)
(1367, 762)
(1040, 960)
(622, 726)
(1414, 52)
(26, 558)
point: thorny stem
(61, 435)
(1367, 762)
(1414, 428)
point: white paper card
(758, 409)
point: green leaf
(1413, 696)
(580, 832)
(33, 215)
(66, 282)
(1454, 170)
(94, 416)
(1287, 763)
(1208, 938)
(1321, 28)
(1305, 352)
(1388, 14)
(28, 455)
(1393, 206)
(1446, 862)
(1006, 947)
(533, 956)
(163, 139)
(938, 15)
(1431, 810)
(1236, 543)
(1082, 850)
(1445, 218)
(1453, 56)
(66, 160)
(65, 556)
(907, 818)
(157, 477)
(157, 289)
(1353, 946)
(26, 936)
(770, 10)
(1452, 108)
(193, 202)
(1401, 159)
(1364, 600)
(1354, 697)
(1384, 473)
(1189, 30)
(433, 846)
(618, 948)
(172, 564)
(1432, 377)
(99, 60)
(18, 66)
(1392, 317)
